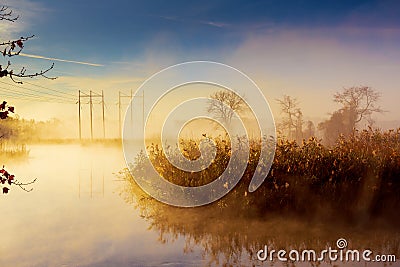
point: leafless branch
(13, 48)
(22, 185)
(7, 14)
(23, 74)
(224, 104)
(293, 118)
(360, 100)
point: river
(78, 215)
(75, 215)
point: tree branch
(23, 74)
(22, 185)
(7, 14)
(14, 48)
(12, 45)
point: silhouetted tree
(358, 103)
(341, 122)
(292, 122)
(227, 104)
(14, 47)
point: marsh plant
(356, 179)
(312, 194)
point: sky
(306, 49)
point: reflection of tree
(229, 238)
(312, 194)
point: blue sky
(307, 49)
(112, 31)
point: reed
(12, 151)
(358, 178)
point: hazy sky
(307, 49)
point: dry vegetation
(357, 179)
(312, 194)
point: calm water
(75, 215)
(81, 213)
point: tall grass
(356, 179)
(12, 151)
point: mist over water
(75, 215)
(83, 213)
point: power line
(54, 90)
(33, 96)
(26, 98)
(131, 97)
(19, 93)
(36, 91)
(22, 89)
(91, 95)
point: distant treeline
(22, 130)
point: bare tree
(14, 47)
(292, 122)
(228, 103)
(360, 101)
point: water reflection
(229, 237)
(55, 225)
(91, 181)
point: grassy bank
(356, 180)
(11, 151)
